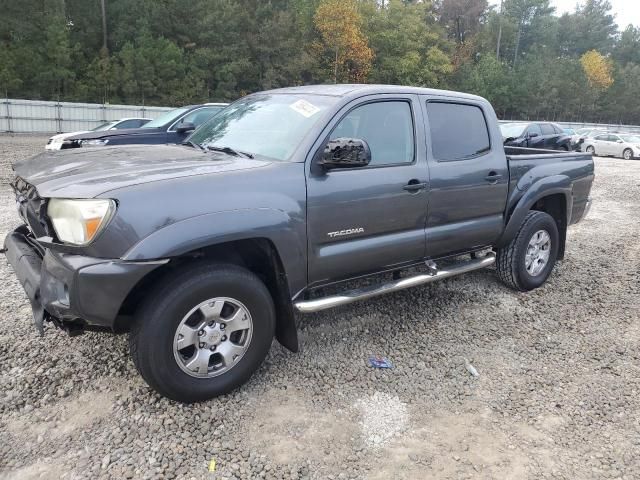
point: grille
(31, 207)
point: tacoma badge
(349, 231)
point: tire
(565, 148)
(591, 150)
(627, 154)
(178, 305)
(511, 260)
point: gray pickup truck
(205, 251)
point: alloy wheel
(212, 337)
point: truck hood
(89, 172)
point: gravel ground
(556, 396)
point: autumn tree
(342, 40)
(598, 70)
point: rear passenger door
(603, 144)
(468, 176)
(367, 219)
(549, 136)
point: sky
(626, 11)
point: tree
(525, 14)
(409, 50)
(338, 23)
(462, 18)
(56, 73)
(590, 27)
(627, 49)
(598, 70)
(9, 79)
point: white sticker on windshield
(304, 108)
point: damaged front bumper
(73, 291)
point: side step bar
(350, 296)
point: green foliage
(172, 52)
(410, 50)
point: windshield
(268, 125)
(512, 130)
(104, 126)
(165, 118)
(631, 138)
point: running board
(350, 296)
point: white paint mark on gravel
(383, 417)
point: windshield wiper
(230, 151)
(191, 144)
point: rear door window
(128, 124)
(458, 131)
(547, 129)
(534, 128)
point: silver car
(584, 134)
(624, 145)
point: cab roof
(345, 90)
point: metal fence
(38, 116)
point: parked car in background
(622, 145)
(172, 127)
(582, 134)
(60, 141)
(535, 135)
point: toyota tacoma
(204, 252)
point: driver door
(366, 219)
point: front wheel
(591, 150)
(627, 154)
(527, 261)
(203, 332)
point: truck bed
(528, 166)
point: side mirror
(185, 127)
(346, 153)
(618, 141)
(532, 135)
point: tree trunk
(499, 33)
(515, 56)
(104, 25)
(335, 68)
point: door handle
(493, 177)
(414, 186)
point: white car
(622, 145)
(57, 142)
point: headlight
(98, 142)
(79, 221)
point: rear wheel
(627, 154)
(591, 150)
(527, 261)
(203, 332)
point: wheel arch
(551, 195)
(258, 255)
